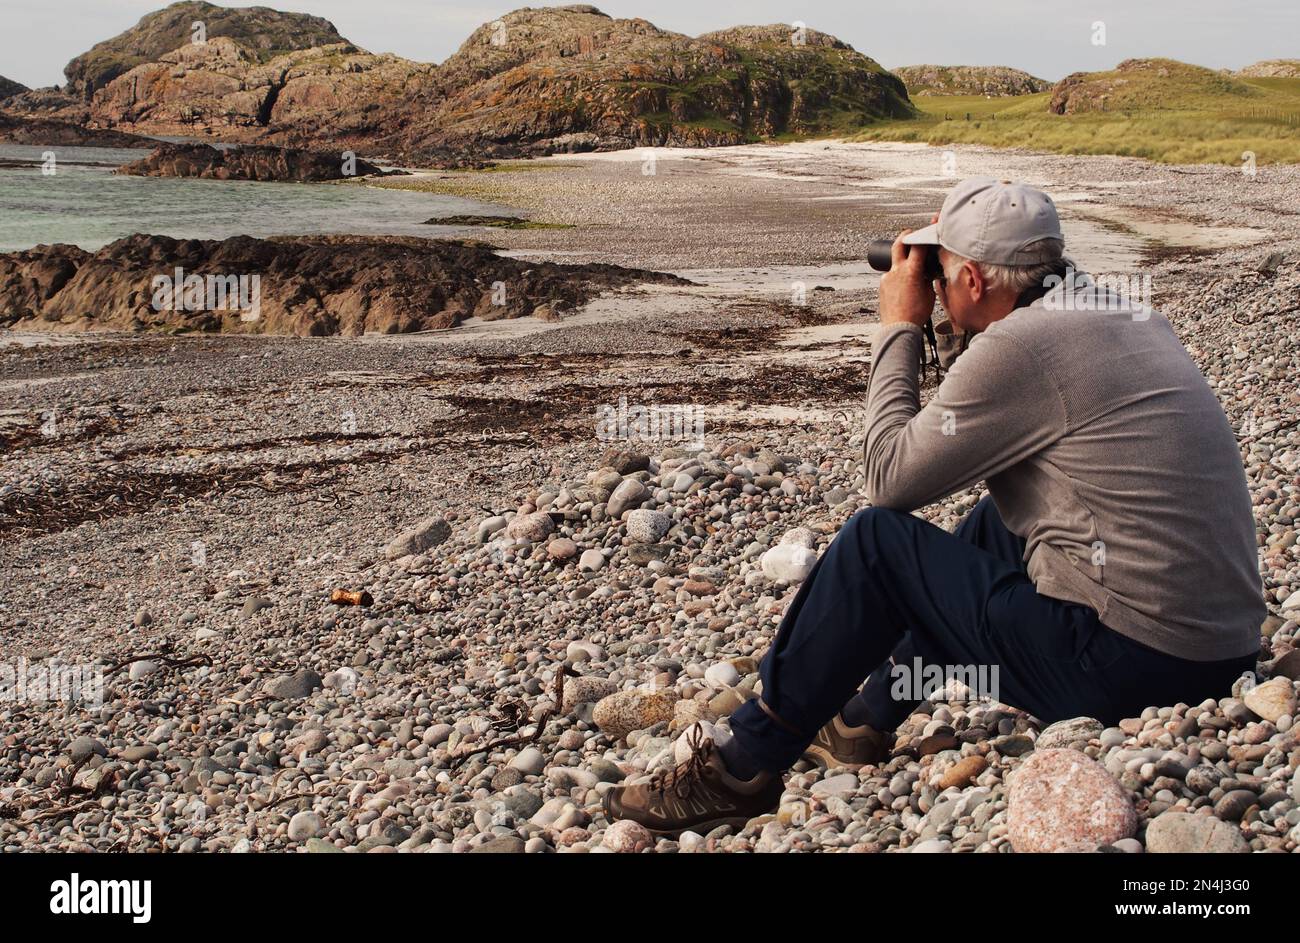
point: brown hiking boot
(698, 794)
(838, 744)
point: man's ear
(978, 287)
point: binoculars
(880, 256)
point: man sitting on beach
(1111, 567)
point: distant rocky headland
(249, 162)
(1137, 84)
(1272, 69)
(47, 132)
(992, 81)
(535, 81)
(306, 286)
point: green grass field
(1176, 119)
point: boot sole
(827, 760)
(703, 828)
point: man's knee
(875, 521)
(872, 528)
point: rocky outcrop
(49, 102)
(9, 88)
(572, 78)
(247, 162)
(310, 286)
(44, 132)
(1145, 84)
(336, 94)
(990, 81)
(536, 81)
(1272, 69)
(261, 32)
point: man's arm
(995, 407)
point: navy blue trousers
(895, 591)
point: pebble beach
(407, 594)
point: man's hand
(905, 294)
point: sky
(1049, 38)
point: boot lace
(683, 777)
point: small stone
(963, 771)
(586, 690)
(624, 711)
(629, 494)
(788, 563)
(1288, 666)
(1013, 744)
(530, 761)
(936, 743)
(313, 741)
(627, 837)
(423, 536)
(561, 548)
(1272, 699)
(1270, 626)
(142, 669)
(722, 675)
(523, 803)
(304, 825)
(647, 527)
(627, 463)
(533, 528)
(725, 702)
(1180, 833)
(607, 771)
(841, 785)
(489, 526)
(83, 748)
(551, 811)
(1059, 798)
(254, 605)
(505, 845)
(506, 778)
(290, 687)
(143, 751)
(1233, 805)
(591, 560)
(344, 679)
(799, 537)
(931, 846)
(571, 739)
(1071, 734)
(689, 711)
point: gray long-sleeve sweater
(1102, 446)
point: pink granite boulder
(1061, 798)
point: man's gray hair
(1017, 278)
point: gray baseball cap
(994, 221)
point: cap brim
(928, 236)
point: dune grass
(1171, 123)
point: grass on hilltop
(1170, 123)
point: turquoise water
(83, 203)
